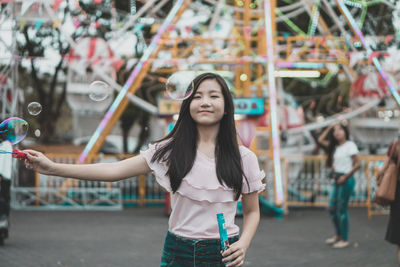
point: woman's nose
(205, 101)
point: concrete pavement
(134, 237)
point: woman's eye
(197, 97)
(214, 96)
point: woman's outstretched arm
(108, 172)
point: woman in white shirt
(344, 161)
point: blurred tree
(35, 44)
(50, 92)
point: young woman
(203, 167)
(343, 159)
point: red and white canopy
(371, 85)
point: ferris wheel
(307, 30)
(258, 41)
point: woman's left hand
(235, 254)
(341, 180)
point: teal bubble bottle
(222, 232)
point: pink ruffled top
(200, 196)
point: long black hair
(179, 151)
(333, 143)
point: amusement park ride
(240, 42)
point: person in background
(344, 161)
(5, 184)
(393, 228)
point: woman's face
(208, 105)
(338, 133)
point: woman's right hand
(322, 138)
(38, 162)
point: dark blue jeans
(183, 252)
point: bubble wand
(16, 153)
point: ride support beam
(118, 106)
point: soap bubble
(180, 85)
(14, 130)
(99, 91)
(34, 108)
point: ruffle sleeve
(159, 169)
(252, 172)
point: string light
(300, 65)
(314, 18)
(240, 3)
(353, 4)
(297, 73)
(133, 7)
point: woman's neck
(341, 142)
(207, 134)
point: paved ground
(134, 237)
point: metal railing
(306, 184)
(52, 192)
